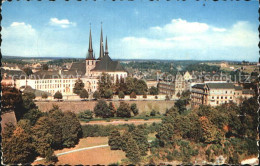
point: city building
(88, 71)
(176, 86)
(215, 94)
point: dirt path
(118, 122)
(77, 150)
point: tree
(121, 95)
(101, 110)
(165, 134)
(29, 95)
(96, 95)
(108, 94)
(141, 137)
(132, 151)
(83, 94)
(18, 148)
(133, 95)
(209, 132)
(28, 71)
(104, 84)
(44, 95)
(135, 85)
(46, 134)
(153, 91)
(33, 115)
(134, 109)
(180, 105)
(71, 129)
(78, 87)
(112, 108)
(45, 67)
(12, 101)
(123, 110)
(57, 95)
(114, 140)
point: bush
(97, 130)
(85, 115)
(57, 95)
(44, 96)
(108, 94)
(153, 113)
(96, 95)
(83, 94)
(133, 95)
(134, 109)
(121, 95)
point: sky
(168, 30)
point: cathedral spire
(101, 51)
(90, 48)
(106, 50)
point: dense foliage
(39, 134)
(223, 130)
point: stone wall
(79, 106)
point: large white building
(89, 72)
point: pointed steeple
(106, 50)
(90, 48)
(101, 51)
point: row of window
(221, 97)
(54, 81)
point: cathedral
(88, 71)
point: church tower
(101, 50)
(90, 60)
(106, 49)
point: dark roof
(43, 74)
(220, 85)
(79, 67)
(200, 86)
(11, 73)
(106, 64)
(35, 91)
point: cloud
(21, 39)
(194, 40)
(181, 27)
(64, 23)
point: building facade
(215, 94)
(178, 85)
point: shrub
(134, 109)
(44, 96)
(133, 95)
(57, 95)
(121, 95)
(96, 95)
(83, 94)
(86, 115)
(153, 113)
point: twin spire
(101, 51)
